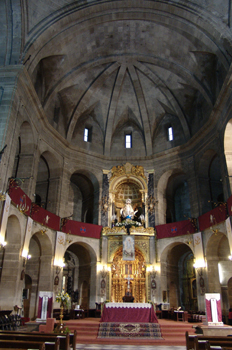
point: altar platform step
(129, 330)
(173, 333)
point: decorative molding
(114, 231)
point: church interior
(115, 153)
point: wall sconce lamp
(3, 244)
(153, 270)
(59, 264)
(230, 257)
(58, 269)
(199, 263)
(25, 259)
(103, 269)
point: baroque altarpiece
(128, 243)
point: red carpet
(173, 333)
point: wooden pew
(21, 344)
(190, 339)
(209, 344)
(51, 343)
(65, 339)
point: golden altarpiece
(128, 206)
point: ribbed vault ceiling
(120, 64)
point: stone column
(11, 284)
(64, 209)
(105, 195)
(151, 213)
(53, 195)
(93, 294)
(46, 274)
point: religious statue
(128, 212)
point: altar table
(129, 312)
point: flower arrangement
(128, 222)
(63, 298)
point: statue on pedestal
(128, 212)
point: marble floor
(126, 347)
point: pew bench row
(201, 342)
(51, 341)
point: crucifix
(128, 278)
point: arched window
(170, 133)
(128, 140)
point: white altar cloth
(129, 312)
(129, 305)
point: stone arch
(219, 267)
(177, 266)
(48, 182)
(84, 262)
(167, 185)
(11, 265)
(210, 185)
(24, 155)
(84, 196)
(38, 268)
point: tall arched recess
(84, 196)
(228, 151)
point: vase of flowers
(62, 298)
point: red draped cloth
(175, 229)
(212, 217)
(209, 313)
(81, 229)
(129, 312)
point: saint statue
(128, 212)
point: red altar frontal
(129, 312)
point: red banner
(19, 198)
(45, 217)
(212, 217)
(229, 205)
(81, 229)
(176, 229)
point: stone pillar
(105, 195)
(163, 282)
(25, 170)
(64, 208)
(201, 288)
(93, 279)
(53, 195)
(193, 189)
(151, 213)
(45, 273)
(104, 250)
(11, 284)
(152, 250)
